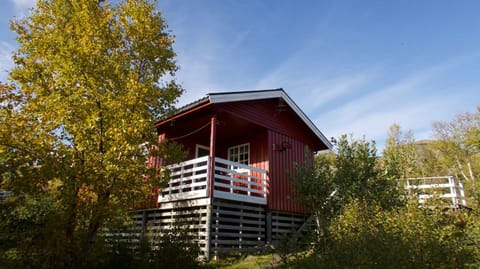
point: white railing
(232, 181)
(188, 180)
(442, 187)
(240, 182)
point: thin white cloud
(287, 74)
(311, 85)
(321, 92)
(402, 102)
(375, 125)
(20, 9)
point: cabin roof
(226, 97)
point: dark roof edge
(308, 121)
(184, 108)
(193, 104)
(244, 92)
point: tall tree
(457, 142)
(359, 176)
(400, 158)
(91, 78)
(335, 179)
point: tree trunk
(95, 223)
(70, 227)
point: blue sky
(352, 66)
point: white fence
(443, 187)
(232, 181)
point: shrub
(367, 236)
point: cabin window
(239, 154)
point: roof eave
(184, 110)
(216, 98)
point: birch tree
(458, 144)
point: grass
(246, 261)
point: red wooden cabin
(235, 182)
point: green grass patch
(246, 261)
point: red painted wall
(282, 194)
(284, 127)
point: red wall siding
(265, 113)
(283, 126)
(259, 151)
(282, 195)
(258, 147)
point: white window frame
(198, 147)
(229, 155)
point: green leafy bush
(367, 236)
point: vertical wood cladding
(268, 114)
(288, 137)
(284, 152)
(259, 151)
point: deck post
(211, 178)
(144, 222)
(213, 130)
(208, 239)
(268, 227)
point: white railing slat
(239, 180)
(189, 179)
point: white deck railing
(187, 180)
(240, 182)
(442, 187)
(232, 181)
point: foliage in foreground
(366, 224)
(173, 249)
(246, 261)
(334, 180)
(366, 236)
(118, 248)
(77, 124)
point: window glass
(239, 154)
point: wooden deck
(235, 218)
(232, 181)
